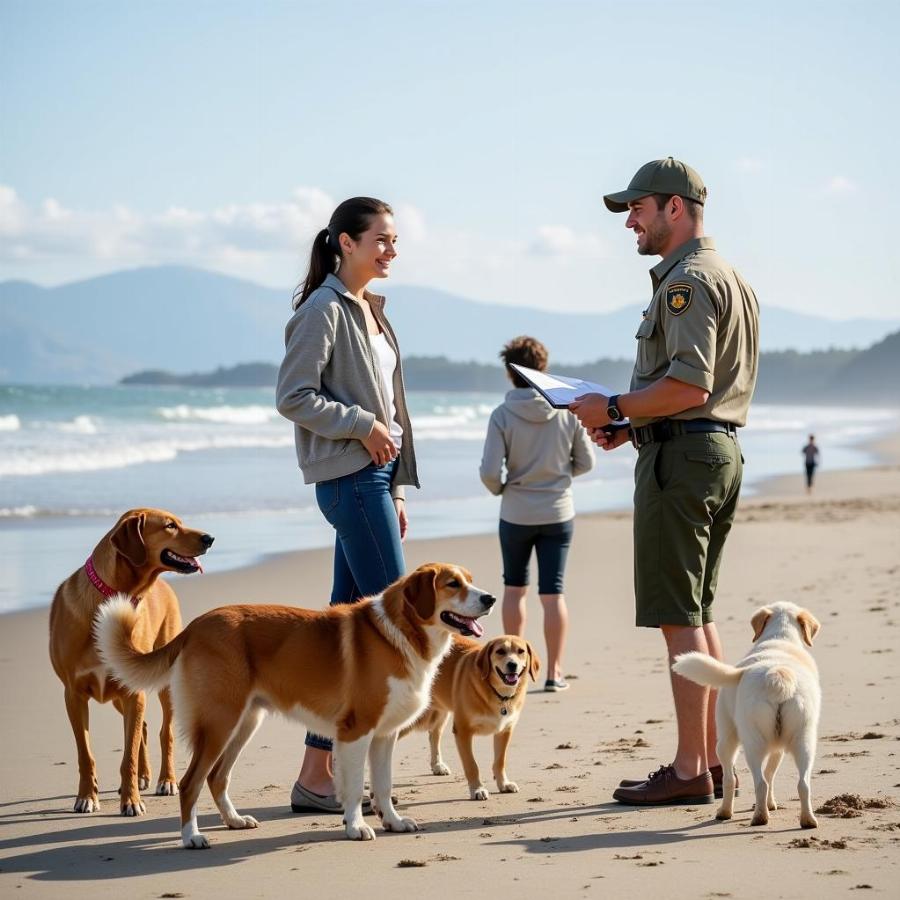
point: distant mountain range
(854, 377)
(182, 319)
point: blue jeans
(368, 555)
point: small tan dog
(768, 703)
(484, 687)
(357, 673)
(142, 545)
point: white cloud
(561, 241)
(839, 184)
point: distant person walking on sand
(341, 384)
(697, 357)
(542, 450)
(811, 455)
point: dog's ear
(128, 539)
(809, 626)
(534, 664)
(760, 617)
(483, 660)
(420, 591)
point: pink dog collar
(101, 585)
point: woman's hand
(400, 506)
(609, 442)
(379, 444)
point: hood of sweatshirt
(528, 404)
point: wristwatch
(612, 409)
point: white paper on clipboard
(559, 390)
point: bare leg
(691, 702)
(714, 648)
(556, 627)
(514, 610)
(317, 772)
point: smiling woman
(341, 384)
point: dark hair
(525, 351)
(352, 217)
(694, 209)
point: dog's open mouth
(463, 624)
(184, 564)
(510, 678)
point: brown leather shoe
(665, 788)
(715, 771)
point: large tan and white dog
(142, 545)
(484, 688)
(768, 703)
(357, 673)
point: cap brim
(618, 203)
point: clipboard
(559, 390)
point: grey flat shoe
(556, 684)
(304, 801)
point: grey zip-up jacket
(543, 449)
(329, 386)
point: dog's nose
(488, 600)
(206, 540)
(511, 666)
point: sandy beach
(562, 835)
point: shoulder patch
(678, 298)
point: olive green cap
(662, 176)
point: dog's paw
(133, 808)
(508, 787)
(166, 789)
(809, 821)
(361, 832)
(722, 814)
(760, 818)
(440, 769)
(87, 804)
(239, 822)
(771, 804)
(479, 793)
(400, 824)
(195, 842)
(144, 782)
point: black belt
(666, 429)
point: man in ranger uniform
(697, 355)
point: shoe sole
(679, 801)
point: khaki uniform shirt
(702, 327)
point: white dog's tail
(113, 626)
(703, 669)
(781, 684)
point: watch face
(613, 413)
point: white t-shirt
(387, 362)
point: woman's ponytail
(322, 261)
(352, 217)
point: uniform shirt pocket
(648, 349)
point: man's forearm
(665, 397)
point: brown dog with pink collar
(129, 559)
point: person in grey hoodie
(341, 384)
(542, 449)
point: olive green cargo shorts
(685, 496)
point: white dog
(768, 703)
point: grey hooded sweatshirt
(542, 449)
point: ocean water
(72, 459)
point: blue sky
(221, 134)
